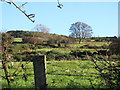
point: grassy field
(76, 47)
(90, 44)
(20, 48)
(70, 47)
(60, 74)
(17, 39)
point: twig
(19, 7)
(59, 5)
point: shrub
(75, 53)
(39, 47)
(115, 46)
(79, 53)
(102, 52)
(109, 71)
(41, 52)
(18, 57)
(52, 54)
(32, 40)
(64, 57)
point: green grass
(55, 79)
(67, 68)
(90, 44)
(18, 48)
(66, 81)
(96, 43)
(66, 50)
(19, 80)
(76, 45)
(60, 50)
(17, 39)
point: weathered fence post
(40, 71)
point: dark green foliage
(115, 46)
(19, 34)
(102, 52)
(109, 71)
(79, 53)
(39, 47)
(41, 52)
(26, 56)
(6, 39)
(17, 48)
(19, 57)
(51, 55)
(64, 57)
(103, 39)
(55, 55)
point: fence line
(75, 75)
(50, 73)
(39, 62)
(70, 71)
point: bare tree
(42, 28)
(80, 30)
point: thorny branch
(19, 7)
(29, 16)
(59, 5)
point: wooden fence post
(39, 62)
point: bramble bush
(115, 46)
(109, 71)
(108, 68)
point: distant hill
(21, 33)
(38, 37)
(50, 37)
